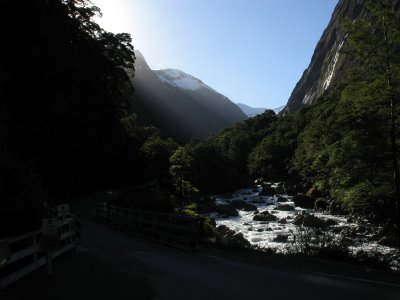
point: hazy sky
(252, 51)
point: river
(282, 235)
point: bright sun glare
(115, 15)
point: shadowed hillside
(183, 106)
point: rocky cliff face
(327, 65)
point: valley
(270, 188)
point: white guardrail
(23, 254)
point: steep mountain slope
(327, 65)
(181, 105)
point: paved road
(119, 266)
(176, 274)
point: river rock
(264, 216)
(231, 239)
(321, 204)
(309, 220)
(330, 222)
(303, 201)
(284, 207)
(267, 191)
(282, 221)
(258, 181)
(280, 187)
(281, 199)
(281, 238)
(226, 210)
(243, 205)
(258, 201)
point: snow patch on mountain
(278, 109)
(180, 79)
(254, 111)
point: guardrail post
(49, 263)
(78, 233)
(34, 243)
(108, 213)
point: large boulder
(284, 207)
(258, 201)
(282, 221)
(231, 239)
(264, 216)
(243, 205)
(309, 220)
(226, 210)
(281, 238)
(303, 201)
(267, 190)
(280, 187)
(321, 204)
(281, 199)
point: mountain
(181, 80)
(181, 105)
(253, 111)
(278, 109)
(327, 65)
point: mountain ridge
(181, 105)
(253, 111)
(327, 66)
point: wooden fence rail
(21, 255)
(172, 229)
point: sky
(252, 51)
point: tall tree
(180, 168)
(375, 42)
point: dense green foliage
(220, 162)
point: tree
(375, 42)
(118, 48)
(180, 168)
(157, 151)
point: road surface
(173, 274)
